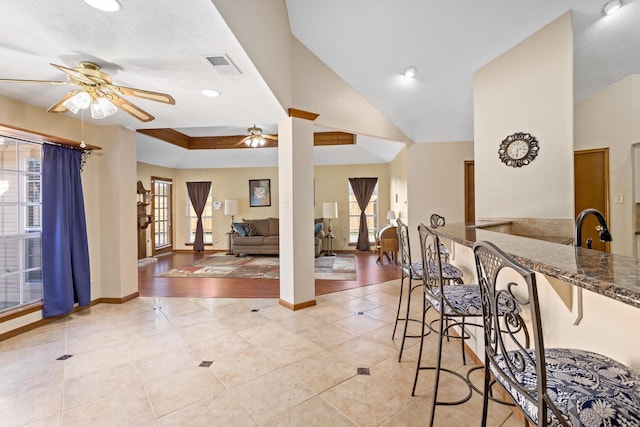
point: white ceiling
(370, 43)
(160, 45)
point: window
(20, 223)
(161, 208)
(354, 216)
(207, 220)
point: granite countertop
(611, 275)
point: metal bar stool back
(554, 386)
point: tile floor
(138, 364)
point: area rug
(340, 267)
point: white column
(295, 171)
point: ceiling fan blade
(147, 94)
(274, 137)
(51, 82)
(75, 74)
(58, 107)
(129, 108)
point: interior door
(469, 192)
(591, 186)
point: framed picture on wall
(259, 192)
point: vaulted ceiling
(162, 45)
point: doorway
(591, 190)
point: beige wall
(145, 171)
(398, 195)
(527, 89)
(609, 119)
(331, 184)
(435, 182)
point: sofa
(262, 237)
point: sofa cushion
(317, 227)
(260, 226)
(274, 227)
(271, 241)
(249, 241)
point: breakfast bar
(606, 312)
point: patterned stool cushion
(589, 388)
(449, 272)
(463, 299)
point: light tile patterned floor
(137, 364)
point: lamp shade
(330, 210)
(391, 215)
(231, 207)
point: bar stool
(413, 271)
(553, 386)
(454, 304)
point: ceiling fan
(256, 138)
(97, 93)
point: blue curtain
(65, 252)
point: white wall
(527, 89)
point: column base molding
(299, 306)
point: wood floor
(369, 272)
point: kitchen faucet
(604, 235)
(602, 229)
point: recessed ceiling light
(611, 7)
(410, 72)
(104, 5)
(210, 92)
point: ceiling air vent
(223, 65)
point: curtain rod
(42, 138)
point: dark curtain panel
(65, 252)
(363, 189)
(198, 193)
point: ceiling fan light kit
(255, 141)
(77, 102)
(256, 138)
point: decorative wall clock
(518, 149)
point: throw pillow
(248, 229)
(239, 227)
(317, 227)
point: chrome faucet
(602, 229)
